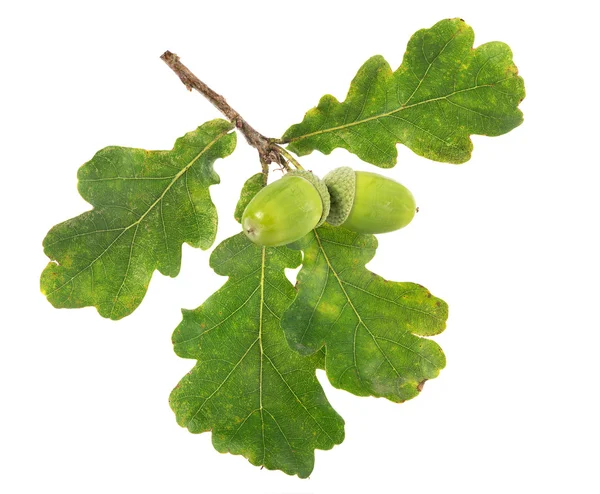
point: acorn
(367, 202)
(287, 209)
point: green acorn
(368, 202)
(286, 210)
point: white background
(508, 240)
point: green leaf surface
(372, 328)
(443, 91)
(146, 205)
(259, 398)
(249, 190)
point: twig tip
(169, 56)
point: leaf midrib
(360, 320)
(260, 344)
(262, 354)
(387, 114)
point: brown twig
(267, 150)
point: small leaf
(444, 91)
(259, 398)
(250, 189)
(371, 327)
(146, 205)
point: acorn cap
(321, 189)
(341, 184)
